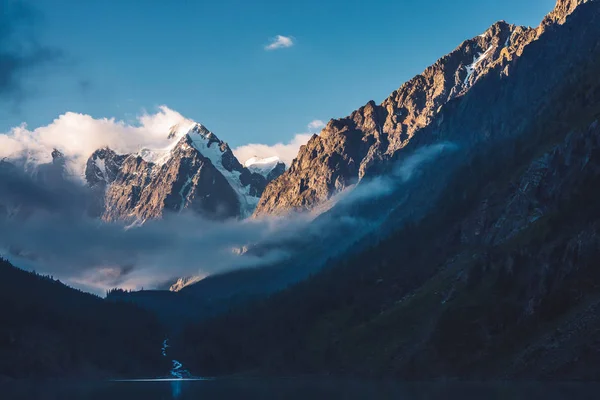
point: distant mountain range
(197, 172)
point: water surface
(292, 388)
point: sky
(257, 71)
(80, 75)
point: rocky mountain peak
(201, 130)
(198, 171)
(562, 10)
(347, 148)
(375, 134)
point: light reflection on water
(176, 389)
(293, 388)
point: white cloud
(316, 125)
(280, 42)
(77, 136)
(285, 151)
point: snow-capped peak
(262, 166)
(256, 161)
(195, 137)
(222, 159)
(162, 155)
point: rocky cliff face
(102, 168)
(198, 172)
(348, 148)
(561, 11)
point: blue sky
(207, 59)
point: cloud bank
(279, 42)
(43, 226)
(77, 136)
(402, 172)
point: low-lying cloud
(44, 226)
(402, 172)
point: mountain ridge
(373, 135)
(498, 279)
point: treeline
(48, 329)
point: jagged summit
(103, 167)
(196, 171)
(562, 10)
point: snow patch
(184, 191)
(476, 61)
(101, 165)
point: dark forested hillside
(499, 280)
(430, 301)
(48, 329)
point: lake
(292, 388)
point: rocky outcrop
(102, 167)
(367, 140)
(184, 282)
(561, 11)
